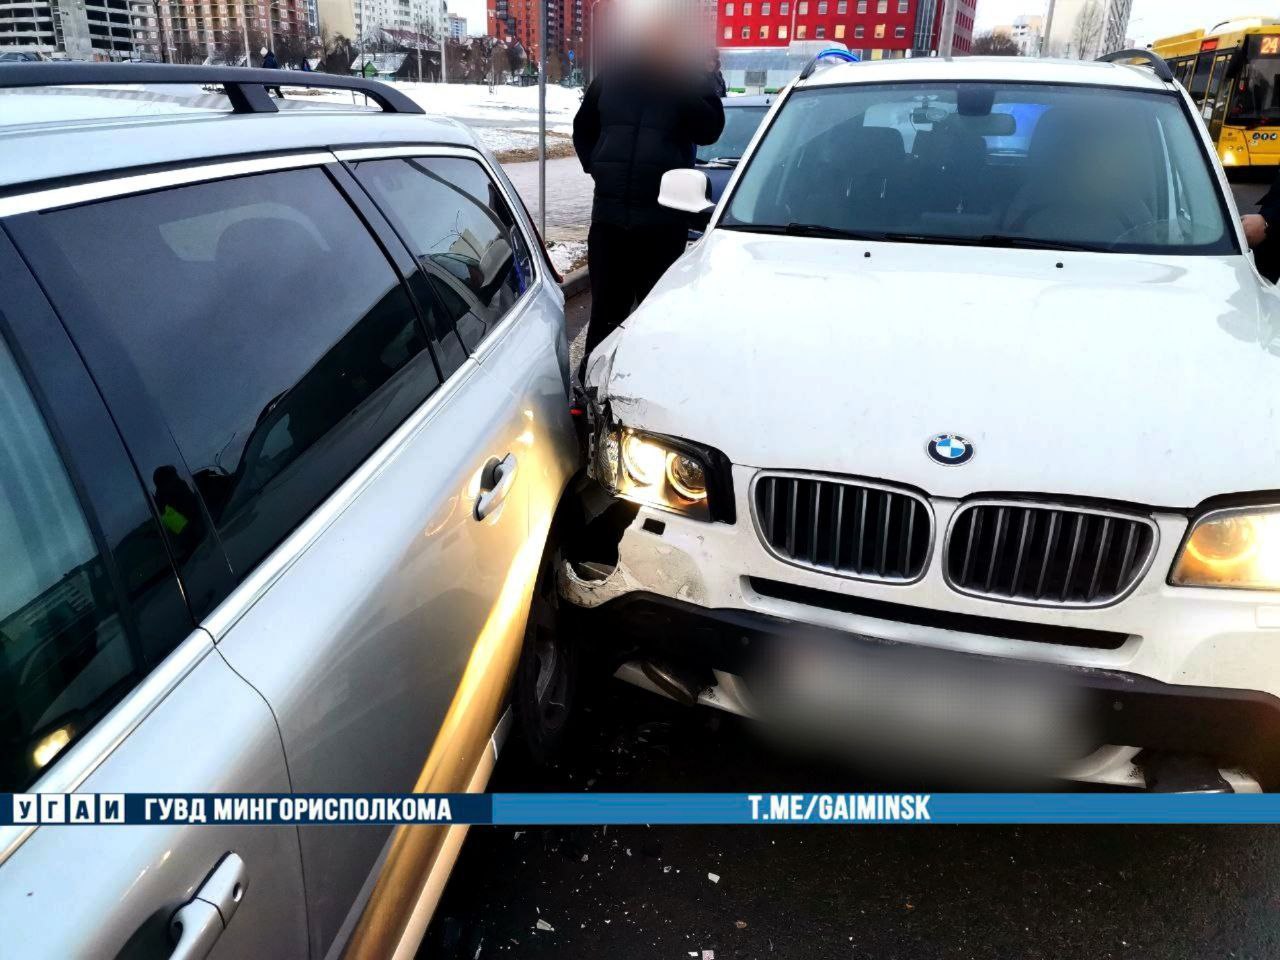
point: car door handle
(495, 484)
(199, 922)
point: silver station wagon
(284, 428)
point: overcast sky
(1151, 18)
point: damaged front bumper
(701, 612)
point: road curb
(575, 282)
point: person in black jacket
(638, 119)
(1262, 230)
(717, 75)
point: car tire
(547, 673)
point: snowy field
(505, 118)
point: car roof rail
(1154, 60)
(246, 87)
(838, 52)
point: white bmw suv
(958, 433)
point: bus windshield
(987, 164)
(1258, 92)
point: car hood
(1142, 379)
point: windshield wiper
(985, 240)
(804, 230)
(995, 240)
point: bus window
(1258, 90)
(1186, 68)
(1219, 95)
(1200, 79)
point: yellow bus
(1233, 74)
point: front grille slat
(813, 534)
(1051, 544)
(844, 526)
(883, 558)
(1126, 564)
(1027, 518)
(1075, 553)
(1104, 541)
(839, 541)
(996, 547)
(862, 529)
(1050, 555)
(791, 524)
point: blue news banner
(535, 809)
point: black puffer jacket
(634, 125)
(1267, 256)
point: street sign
(571, 56)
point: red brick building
(875, 29)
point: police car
(956, 437)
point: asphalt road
(634, 893)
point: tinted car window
(268, 327)
(65, 655)
(454, 220)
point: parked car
(286, 425)
(742, 118)
(970, 382)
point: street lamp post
(542, 118)
(947, 37)
(244, 32)
(591, 25)
(1048, 30)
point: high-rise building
(457, 27)
(1086, 29)
(1025, 31)
(874, 29)
(189, 31)
(71, 29)
(517, 20)
(423, 16)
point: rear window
(740, 125)
(998, 164)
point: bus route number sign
(1270, 46)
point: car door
(106, 685)
(459, 216)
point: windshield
(995, 164)
(1258, 93)
(740, 125)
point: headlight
(664, 472)
(1237, 548)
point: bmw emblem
(950, 450)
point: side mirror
(685, 190)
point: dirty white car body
(1109, 397)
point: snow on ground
(567, 255)
(505, 105)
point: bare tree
(499, 64)
(995, 45)
(339, 52)
(1086, 33)
(290, 48)
(231, 46)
